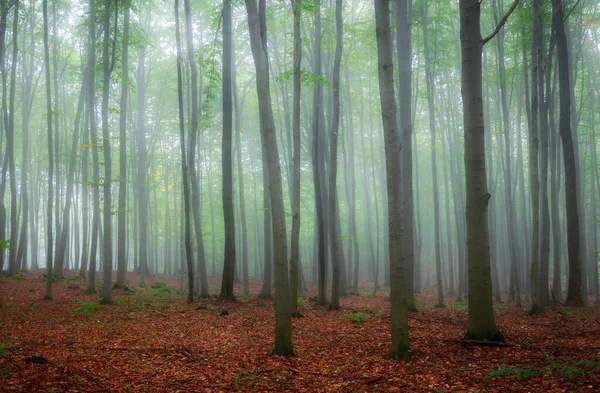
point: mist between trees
(306, 144)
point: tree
(404, 52)
(49, 227)
(336, 250)
(436, 202)
(189, 257)
(400, 347)
(318, 161)
(574, 293)
(107, 67)
(295, 243)
(10, 143)
(122, 227)
(227, 160)
(258, 39)
(195, 195)
(481, 324)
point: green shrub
(161, 288)
(88, 307)
(357, 317)
(19, 277)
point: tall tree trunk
(295, 242)
(404, 53)
(142, 165)
(189, 257)
(258, 41)
(533, 155)
(432, 125)
(481, 322)
(122, 225)
(574, 294)
(399, 314)
(336, 250)
(27, 104)
(511, 232)
(201, 261)
(10, 143)
(229, 257)
(61, 246)
(4, 10)
(351, 173)
(318, 162)
(49, 227)
(107, 65)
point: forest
(299, 195)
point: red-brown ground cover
(152, 341)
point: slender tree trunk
(229, 258)
(49, 227)
(574, 294)
(122, 225)
(351, 173)
(4, 9)
(258, 40)
(336, 250)
(318, 161)
(533, 156)
(189, 257)
(61, 247)
(404, 53)
(10, 145)
(107, 65)
(399, 314)
(91, 95)
(27, 103)
(295, 242)
(511, 232)
(432, 128)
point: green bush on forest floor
(357, 317)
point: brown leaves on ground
(152, 341)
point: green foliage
(308, 78)
(5, 244)
(19, 277)
(460, 306)
(87, 307)
(518, 372)
(580, 368)
(161, 288)
(3, 350)
(571, 370)
(357, 317)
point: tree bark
(336, 250)
(481, 322)
(574, 294)
(432, 128)
(229, 258)
(283, 322)
(122, 225)
(49, 227)
(399, 314)
(295, 242)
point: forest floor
(152, 341)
